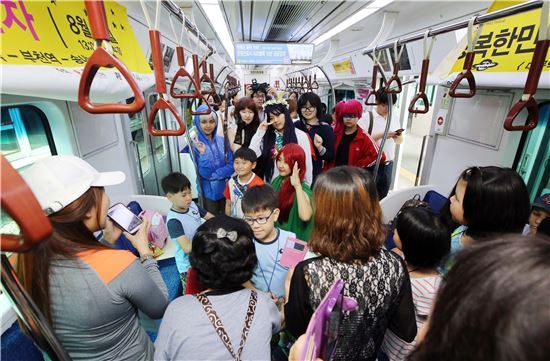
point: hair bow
(222, 233)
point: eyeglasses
(348, 116)
(308, 109)
(259, 220)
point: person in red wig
(293, 192)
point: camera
(259, 87)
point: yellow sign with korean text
(507, 44)
(344, 67)
(57, 33)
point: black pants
(215, 207)
(382, 183)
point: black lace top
(381, 288)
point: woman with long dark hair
(348, 234)
(275, 132)
(89, 292)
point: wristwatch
(146, 257)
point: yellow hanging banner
(507, 44)
(57, 33)
(344, 67)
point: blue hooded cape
(213, 168)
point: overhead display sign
(49, 42)
(273, 53)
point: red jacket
(363, 150)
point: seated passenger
(183, 218)
(293, 193)
(424, 240)
(320, 134)
(493, 304)
(261, 213)
(214, 161)
(488, 201)
(228, 321)
(539, 211)
(352, 146)
(244, 163)
(348, 234)
(275, 132)
(247, 119)
(89, 293)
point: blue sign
(273, 53)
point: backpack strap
(218, 326)
(371, 122)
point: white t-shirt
(378, 126)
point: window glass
(138, 136)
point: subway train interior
(122, 85)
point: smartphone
(294, 252)
(124, 218)
(399, 131)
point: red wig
(293, 154)
(351, 107)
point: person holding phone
(89, 293)
(348, 234)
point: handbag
(218, 325)
(415, 201)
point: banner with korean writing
(504, 50)
(45, 45)
(344, 67)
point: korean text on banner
(58, 34)
(506, 45)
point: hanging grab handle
(527, 100)
(206, 79)
(314, 84)
(19, 203)
(372, 91)
(467, 67)
(161, 103)
(197, 89)
(423, 76)
(396, 67)
(104, 57)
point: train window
(344, 94)
(25, 137)
(138, 136)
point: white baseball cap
(59, 180)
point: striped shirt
(424, 291)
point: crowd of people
(469, 283)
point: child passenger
(539, 212)
(214, 161)
(261, 213)
(183, 219)
(293, 193)
(227, 321)
(244, 163)
(488, 201)
(424, 240)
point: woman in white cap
(89, 292)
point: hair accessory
(222, 233)
(274, 102)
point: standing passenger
(348, 234)
(380, 118)
(246, 116)
(320, 134)
(214, 162)
(227, 321)
(89, 293)
(293, 193)
(273, 135)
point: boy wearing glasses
(260, 212)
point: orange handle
(181, 55)
(465, 74)
(206, 78)
(530, 89)
(162, 103)
(421, 91)
(158, 65)
(394, 78)
(19, 202)
(98, 19)
(102, 58)
(183, 73)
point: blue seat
(435, 200)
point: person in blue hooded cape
(215, 163)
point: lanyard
(274, 265)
